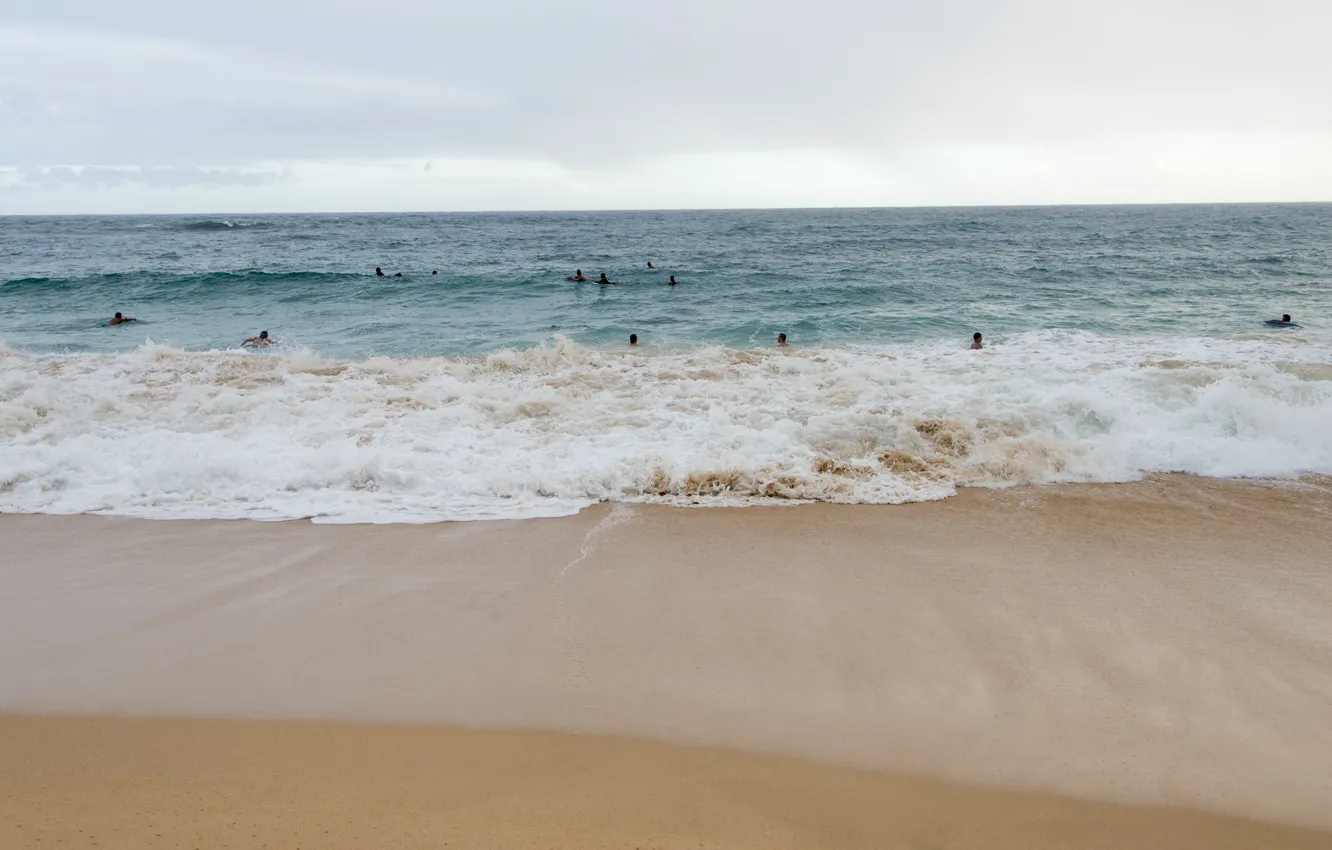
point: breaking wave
(159, 432)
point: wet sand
(143, 784)
(1145, 644)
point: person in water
(577, 276)
(671, 282)
(976, 344)
(1285, 317)
(119, 319)
(633, 339)
(399, 274)
(379, 272)
(605, 282)
(650, 265)
(260, 340)
(781, 340)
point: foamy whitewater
(542, 432)
(1120, 342)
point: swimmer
(633, 339)
(118, 319)
(605, 282)
(262, 339)
(379, 272)
(436, 271)
(976, 341)
(781, 341)
(399, 274)
(650, 265)
(671, 282)
(577, 276)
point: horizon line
(568, 211)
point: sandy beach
(189, 783)
(1164, 645)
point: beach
(1163, 645)
(189, 783)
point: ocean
(481, 384)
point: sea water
(1120, 341)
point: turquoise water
(1120, 342)
(826, 278)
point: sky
(151, 106)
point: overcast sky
(279, 105)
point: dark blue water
(825, 277)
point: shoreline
(150, 783)
(1136, 643)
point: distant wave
(250, 275)
(159, 432)
(169, 281)
(1269, 260)
(223, 224)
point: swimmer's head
(118, 316)
(263, 334)
(976, 336)
(1285, 317)
(672, 278)
(781, 339)
(633, 339)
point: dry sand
(1167, 643)
(141, 784)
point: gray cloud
(593, 84)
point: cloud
(115, 98)
(157, 177)
(876, 92)
(1181, 169)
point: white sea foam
(165, 433)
